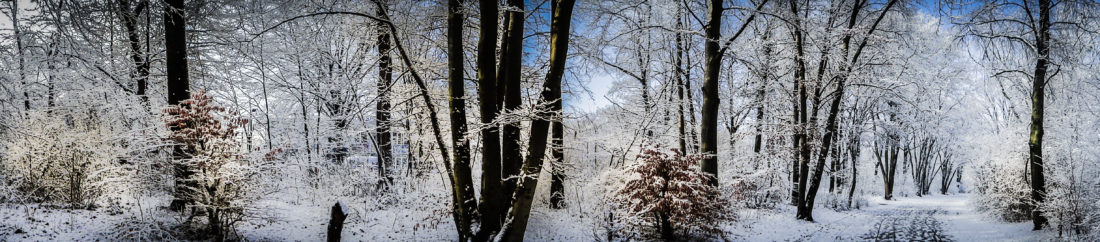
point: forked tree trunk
(516, 224)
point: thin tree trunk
(679, 79)
(761, 93)
(267, 107)
(141, 64)
(18, 33)
(51, 67)
(516, 226)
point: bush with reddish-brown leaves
(669, 198)
(220, 176)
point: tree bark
(557, 155)
(509, 77)
(1038, 93)
(491, 194)
(464, 188)
(382, 108)
(709, 126)
(516, 226)
(679, 79)
(800, 166)
(175, 46)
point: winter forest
(549, 120)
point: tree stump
(336, 222)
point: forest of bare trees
(512, 120)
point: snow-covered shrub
(670, 198)
(757, 190)
(221, 176)
(63, 156)
(1002, 193)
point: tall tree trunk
(679, 79)
(709, 125)
(382, 108)
(509, 78)
(464, 187)
(800, 166)
(1038, 93)
(761, 91)
(175, 46)
(491, 194)
(551, 92)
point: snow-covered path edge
(960, 220)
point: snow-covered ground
(948, 217)
(905, 218)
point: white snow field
(929, 218)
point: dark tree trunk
(709, 125)
(382, 108)
(175, 46)
(464, 186)
(679, 78)
(509, 78)
(853, 157)
(801, 150)
(491, 194)
(551, 92)
(887, 155)
(1038, 93)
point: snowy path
(933, 218)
